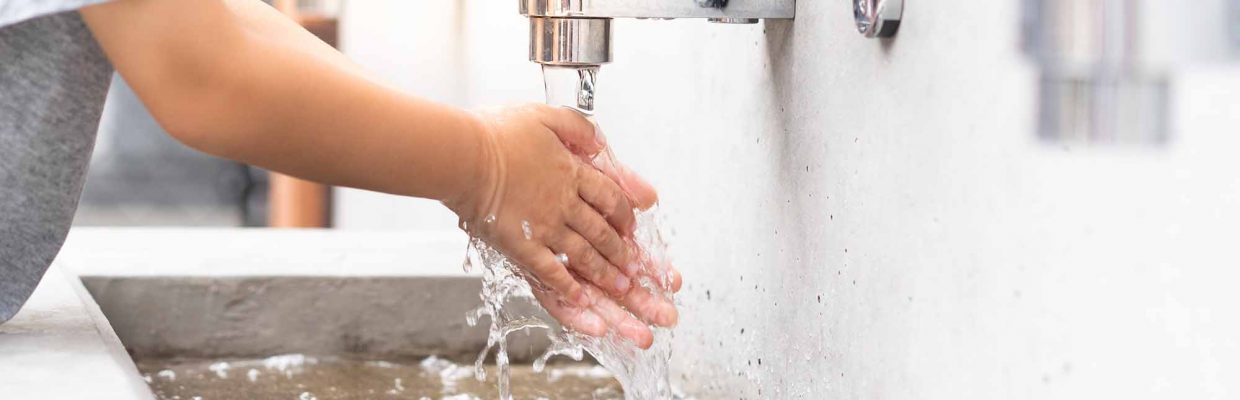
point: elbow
(202, 115)
(199, 98)
(190, 133)
(189, 128)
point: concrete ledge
(59, 346)
(389, 318)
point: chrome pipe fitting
(878, 18)
(570, 41)
(578, 32)
(659, 8)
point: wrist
(481, 171)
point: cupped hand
(552, 214)
(629, 316)
(549, 191)
(643, 306)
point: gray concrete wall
(859, 219)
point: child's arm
(238, 80)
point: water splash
(644, 374)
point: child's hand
(544, 171)
(539, 204)
(605, 312)
(644, 306)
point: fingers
(676, 280)
(574, 130)
(577, 318)
(607, 198)
(666, 275)
(590, 225)
(583, 138)
(650, 307)
(670, 277)
(555, 276)
(641, 194)
(588, 263)
(598, 318)
(653, 307)
(621, 321)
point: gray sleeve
(14, 11)
(53, 81)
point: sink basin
(321, 337)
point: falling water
(642, 373)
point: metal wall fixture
(1107, 66)
(578, 32)
(570, 41)
(1233, 22)
(878, 18)
(1095, 84)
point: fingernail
(622, 283)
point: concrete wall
(859, 219)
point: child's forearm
(238, 80)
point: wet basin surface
(296, 376)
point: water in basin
(297, 376)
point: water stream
(643, 374)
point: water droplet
(470, 254)
(526, 230)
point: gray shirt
(53, 81)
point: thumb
(641, 194)
(578, 133)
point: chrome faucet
(578, 32)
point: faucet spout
(578, 32)
(659, 8)
(570, 41)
